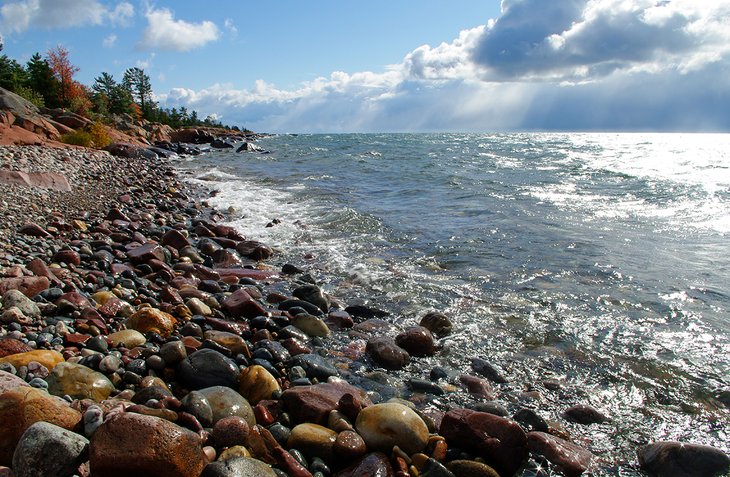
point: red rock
(295, 347)
(28, 286)
(254, 250)
(349, 445)
(75, 299)
(67, 256)
(245, 273)
(501, 442)
(145, 253)
(231, 431)
(170, 295)
(374, 464)
(111, 307)
(384, 351)
(9, 346)
(314, 403)
(237, 327)
(573, 460)
(176, 239)
(417, 340)
(40, 269)
(289, 464)
(240, 304)
(339, 319)
(116, 214)
(477, 385)
(262, 444)
(134, 444)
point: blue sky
(402, 65)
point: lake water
(600, 261)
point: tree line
(48, 81)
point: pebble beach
(141, 335)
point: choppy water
(598, 260)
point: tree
(138, 84)
(42, 81)
(12, 74)
(71, 93)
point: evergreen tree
(12, 74)
(42, 81)
(138, 84)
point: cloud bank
(165, 33)
(21, 15)
(569, 65)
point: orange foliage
(71, 93)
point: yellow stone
(383, 426)
(235, 451)
(79, 382)
(80, 225)
(150, 319)
(127, 338)
(47, 358)
(256, 384)
(102, 297)
(312, 440)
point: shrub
(77, 138)
(98, 134)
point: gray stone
(45, 449)
(315, 366)
(27, 306)
(238, 467)
(314, 295)
(206, 368)
(226, 402)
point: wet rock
(149, 319)
(93, 418)
(133, 444)
(226, 402)
(488, 370)
(417, 340)
(501, 442)
(173, 352)
(127, 338)
(230, 431)
(67, 256)
(530, 420)
(478, 386)
(437, 323)
(45, 449)
(240, 304)
(314, 403)
(175, 238)
(679, 459)
(21, 407)
(572, 460)
(471, 468)
(383, 426)
(314, 295)
(349, 445)
(315, 366)
(28, 286)
(256, 384)
(232, 342)
(14, 298)
(313, 440)
(47, 358)
(584, 414)
(374, 464)
(198, 406)
(145, 253)
(254, 250)
(79, 382)
(205, 368)
(434, 468)
(386, 353)
(238, 467)
(197, 307)
(311, 325)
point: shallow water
(600, 261)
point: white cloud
(573, 64)
(109, 41)
(18, 16)
(231, 27)
(163, 32)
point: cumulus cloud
(574, 64)
(20, 15)
(163, 32)
(109, 41)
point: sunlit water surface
(600, 261)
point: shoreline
(258, 332)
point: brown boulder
(314, 403)
(417, 340)
(384, 351)
(573, 460)
(145, 253)
(144, 446)
(151, 319)
(501, 442)
(23, 406)
(9, 346)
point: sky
(404, 65)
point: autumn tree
(71, 93)
(139, 86)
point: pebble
(238, 467)
(383, 426)
(79, 382)
(14, 298)
(225, 402)
(127, 338)
(349, 445)
(206, 368)
(230, 431)
(313, 440)
(256, 384)
(385, 352)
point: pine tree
(138, 84)
(42, 81)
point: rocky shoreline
(139, 334)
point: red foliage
(70, 92)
